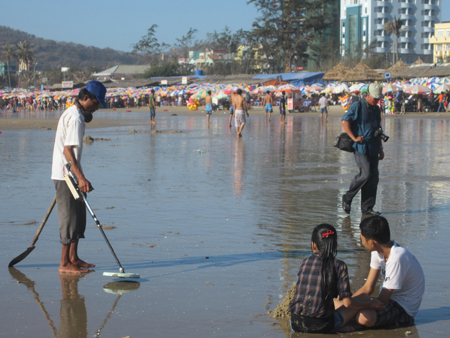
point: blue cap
(98, 89)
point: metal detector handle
(68, 165)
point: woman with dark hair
(321, 279)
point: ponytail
(325, 237)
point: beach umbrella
(442, 88)
(220, 95)
(288, 88)
(340, 89)
(389, 88)
(314, 89)
(433, 85)
(417, 89)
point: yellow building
(441, 42)
(257, 55)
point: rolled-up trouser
(366, 181)
(71, 214)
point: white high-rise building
(362, 21)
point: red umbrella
(417, 89)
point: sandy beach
(215, 225)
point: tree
(289, 28)
(395, 27)
(24, 53)
(183, 45)
(149, 47)
(7, 55)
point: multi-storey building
(363, 22)
(441, 42)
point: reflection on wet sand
(73, 314)
(238, 167)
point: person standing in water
(240, 111)
(208, 106)
(267, 103)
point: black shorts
(393, 313)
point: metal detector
(72, 182)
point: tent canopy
(297, 79)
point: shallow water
(216, 226)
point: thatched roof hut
(361, 72)
(398, 67)
(413, 71)
(419, 61)
(336, 73)
(441, 70)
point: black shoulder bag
(343, 141)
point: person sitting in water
(321, 279)
(403, 281)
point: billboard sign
(67, 84)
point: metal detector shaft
(97, 222)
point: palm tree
(395, 27)
(7, 55)
(25, 54)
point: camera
(379, 132)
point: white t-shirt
(323, 102)
(70, 132)
(403, 274)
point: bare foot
(82, 264)
(70, 268)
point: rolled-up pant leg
(71, 214)
(366, 180)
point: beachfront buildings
(441, 42)
(362, 22)
(4, 68)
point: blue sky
(119, 23)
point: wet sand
(216, 226)
(33, 122)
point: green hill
(52, 55)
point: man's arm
(369, 286)
(83, 183)
(348, 130)
(385, 296)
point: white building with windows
(362, 21)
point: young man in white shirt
(68, 148)
(403, 279)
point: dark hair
(327, 245)
(268, 91)
(239, 91)
(83, 92)
(283, 92)
(153, 91)
(209, 92)
(376, 228)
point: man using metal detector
(68, 148)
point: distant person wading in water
(240, 111)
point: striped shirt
(308, 300)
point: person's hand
(359, 139)
(381, 154)
(376, 304)
(84, 185)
